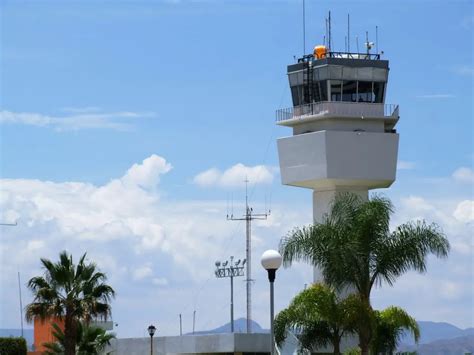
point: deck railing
(337, 109)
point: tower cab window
(357, 91)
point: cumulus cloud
(142, 272)
(464, 174)
(235, 176)
(159, 253)
(150, 248)
(147, 174)
(464, 211)
(76, 120)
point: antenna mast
(377, 39)
(348, 35)
(329, 34)
(248, 218)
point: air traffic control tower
(344, 137)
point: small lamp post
(271, 261)
(151, 331)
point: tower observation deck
(344, 136)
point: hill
(432, 331)
(454, 346)
(240, 326)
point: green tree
(318, 318)
(73, 293)
(391, 324)
(355, 249)
(90, 340)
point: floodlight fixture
(230, 269)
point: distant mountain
(455, 346)
(432, 331)
(240, 326)
(27, 334)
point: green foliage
(13, 346)
(90, 341)
(74, 293)
(391, 322)
(318, 318)
(354, 248)
(352, 351)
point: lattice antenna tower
(248, 217)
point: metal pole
(21, 304)
(249, 271)
(271, 318)
(231, 302)
(194, 319)
(180, 326)
(151, 344)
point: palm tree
(391, 323)
(354, 248)
(318, 318)
(90, 340)
(71, 293)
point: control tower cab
(344, 135)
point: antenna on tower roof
(377, 39)
(329, 34)
(326, 37)
(348, 35)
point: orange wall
(43, 332)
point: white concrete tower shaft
(344, 137)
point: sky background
(127, 127)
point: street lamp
(151, 331)
(271, 261)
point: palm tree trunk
(69, 335)
(365, 332)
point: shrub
(13, 346)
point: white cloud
(160, 281)
(142, 272)
(147, 174)
(77, 120)
(464, 211)
(464, 174)
(135, 237)
(405, 165)
(162, 251)
(235, 176)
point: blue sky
(88, 89)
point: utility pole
(230, 269)
(180, 325)
(21, 304)
(248, 218)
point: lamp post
(151, 331)
(271, 261)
